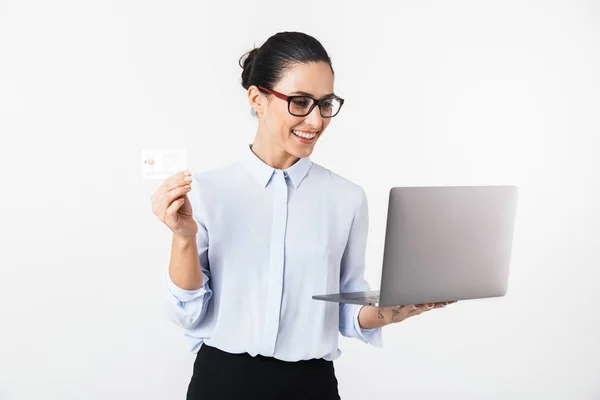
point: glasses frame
(315, 102)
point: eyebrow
(299, 92)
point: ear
(256, 99)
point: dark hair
(266, 65)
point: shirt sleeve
(352, 276)
(186, 308)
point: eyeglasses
(301, 106)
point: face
(277, 125)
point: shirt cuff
(369, 336)
(183, 295)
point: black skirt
(219, 375)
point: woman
(253, 241)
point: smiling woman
(282, 229)
(286, 79)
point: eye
(300, 102)
(328, 103)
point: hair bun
(247, 66)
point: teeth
(305, 135)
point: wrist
(183, 241)
(370, 317)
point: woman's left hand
(376, 317)
(400, 313)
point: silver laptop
(443, 244)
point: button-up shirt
(268, 240)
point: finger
(445, 303)
(411, 310)
(174, 195)
(174, 207)
(161, 205)
(177, 192)
(441, 304)
(400, 312)
(174, 179)
(424, 307)
(160, 199)
(178, 181)
(168, 184)
(415, 312)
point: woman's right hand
(172, 206)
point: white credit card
(161, 164)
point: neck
(271, 154)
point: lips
(306, 135)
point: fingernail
(187, 172)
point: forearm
(371, 317)
(184, 267)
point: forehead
(315, 78)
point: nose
(315, 119)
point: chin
(304, 153)
(301, 148)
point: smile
(305, 135)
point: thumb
(186, 207)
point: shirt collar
(262, 172)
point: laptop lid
(447, 243)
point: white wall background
(438, 92)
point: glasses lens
(330, 107)
(300, 106)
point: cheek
(282, 121)
(284, 131)
(287, 125)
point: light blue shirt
(268, 240)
